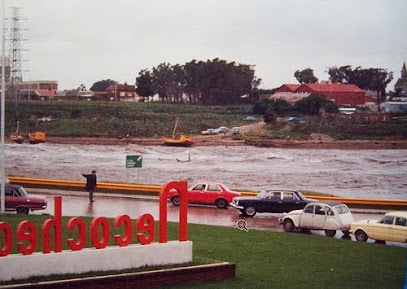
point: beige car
(392, 227)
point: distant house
(288, 88)
(122, 92)
(342, 94)
(40, 94)
(75, 94)
(38, 90)
(290, 97)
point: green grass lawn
(282, 260)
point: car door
(12, 198)
(290, 202)
(271, 203)
(212, 193)
(319, 217)
(197, 193)
(399, 230)
(382, 230)
(307, 217)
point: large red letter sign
(56, 223)
(145, 223)
(80, 223)
(182, 189)
(94, 232)
(128, 230)
(26, 230)
(8, 239)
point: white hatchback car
(392, 227)
(328, 216)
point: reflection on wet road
(77, 204)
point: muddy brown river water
(348, 173)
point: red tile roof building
(342, 94)
(288, 88)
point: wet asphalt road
(109, 205)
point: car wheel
(22, 210)
(175, 200)
(330, 233)
(360, 236)
(250, 211)
(221, 203)
(288, 225)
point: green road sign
(134, 161)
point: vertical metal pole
(3, 96)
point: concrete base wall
(111, 258)
(182, 275)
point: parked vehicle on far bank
(17, 199)
(392, 227)
(222, 129)
(270, 201)
(207, 193)
(250, 118)
(209, 131)
(293, 119)
(328, 216)
(236, 130)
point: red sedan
(208, 193)
(17, 199)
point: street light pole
(3, 97)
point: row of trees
(214, 82)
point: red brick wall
(211, 272)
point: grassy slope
(281, 260)
(157, 119)
(119, 119)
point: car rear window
(214, 188)
(288, 196)
(342, 209)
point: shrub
(312, 104)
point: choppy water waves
(361, 173)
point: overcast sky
(84, 41)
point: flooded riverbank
(347, 173)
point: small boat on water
(16, 136)
(182, 140)
(37, 137)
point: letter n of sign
(182, 189)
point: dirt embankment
(228, 141)
(316, 141)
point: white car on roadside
(328, 216)
(209, 131)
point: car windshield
(263, 194)
(22, 192)
(341, 209)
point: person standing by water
(91, 184)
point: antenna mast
(16, 77)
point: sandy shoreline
(228, 141)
